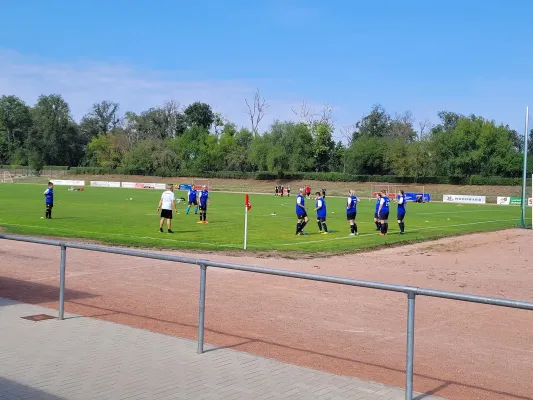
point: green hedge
(296, 176)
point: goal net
(375, 189)
(6, 177)
(198, 183)
(413, 193)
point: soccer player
(351, 212)
(321, 213)
(301, 212)
(401, 211)
(324, 192)
(288, 190)
(192, 200)
(49, 200)
(204, 202)
(167, 203)
(308, 191)
(376, 217)
(383, 212)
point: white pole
(245, 225)
(524, 179)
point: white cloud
(82, 83)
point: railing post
(62, 269)
(203, 273)
(410, 346)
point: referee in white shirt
(167, 203)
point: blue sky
(466, 56)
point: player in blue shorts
(376, 219)
(192, 200)
(383, 212)
(301, 212)
(401, 211)
(351, 212)
(321, 213)
(204, 202)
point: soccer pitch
(107, 215)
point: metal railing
(411, 291)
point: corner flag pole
(245, 225)
(247, 207)
(524, 176)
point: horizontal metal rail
(411, 291)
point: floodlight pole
(524, 175)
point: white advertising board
(128, 185)
(503, 201)
(463, 199)
(105, 184)
(63, 182)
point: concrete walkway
(85, 358)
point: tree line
(167, 139)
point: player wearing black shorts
(301, 212)
(351, 212)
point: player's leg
(377, 222)
(188, 207)
(299, 225)
(355, 224)
(50, 206)
(201, 214)
(205, 214)
(196, 207)
(401, 224)
(319, 222)
(324, 225)
(161, 222)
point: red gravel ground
(463, 350)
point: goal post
(6, 177)
(375, 189)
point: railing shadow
(35, 293)
(244, 340)
(14, 390)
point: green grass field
(109, 216)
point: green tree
(15, 125)
(102, 119)
(55, 135)
(200, 114)
(323, 147)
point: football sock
(352, 228)
(298, 227)
(402, 226)
(325, 226)
(303, 225)
(196, 210)
(319, 225)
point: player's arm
(381, 202)
(160, 204)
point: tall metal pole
(409, 368)
(524, 175)
(201, 309)
(62, 269)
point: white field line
(410, 230)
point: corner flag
(247, 207)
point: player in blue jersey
(376, 216)
(204, 202)
(49, 200)
(383, 212)
(351, 212)
(301, 212)
(192, 200)
(401, 211)
(321, 213)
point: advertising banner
(503, 201)
(105, 184)
(62, 182)
(464, 199)
(128, 185)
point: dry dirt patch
(463, 351)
